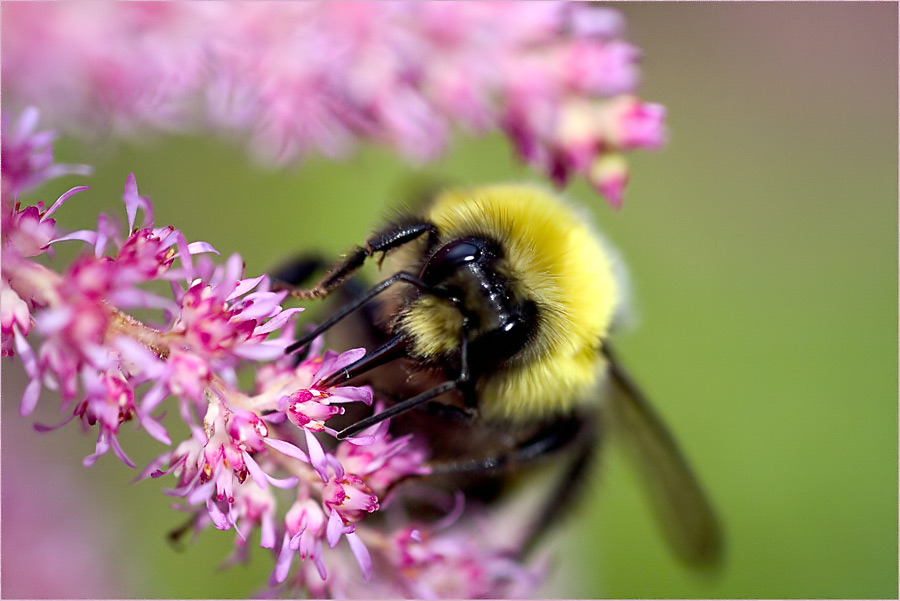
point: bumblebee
(490, 337)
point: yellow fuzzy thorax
(555, 259)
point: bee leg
(299, 271)
(555, 437)
(400, 276)
(466, 414)
(567, 490)
(397, 409)
(576, 435)
(387, 239)
(465, 383)
(393, 349)
(390, 350)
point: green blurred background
(762, 244)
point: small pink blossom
(305, 412)
(148, 253)
(109, 402)
(190, 374)
(451, 565)
(304, 533)
(247, 429)
(14, 313)
(295, 391)
(255, 506)
(385, 461)
(30, 230)
(609, 174)
(350, 496)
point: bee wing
(686, 514)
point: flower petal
(45, 428)
(348, 357)
(351, 394)
(256, 472)
(335, 528)
(361, 553)
(100, 448)
(277, 321)
(219, 519)
(195, 248)
(244, 286)
(154, 429)
(287, 448)
(103, 229)
(132, 297)
(133, 200)
(267, 350)
(267, 532)
(283, 563)
(316, 455)
(120, 452)
(288, 482)
(88, 236)
(59, 201)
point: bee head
(470, 297)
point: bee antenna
(350, 307)
(401, 407)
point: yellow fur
(556, 260)
(435, 325)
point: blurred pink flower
(28, 155)
(296, 78)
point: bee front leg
(468, 413)
(391, 237)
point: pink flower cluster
(556, 78)
(73, 331)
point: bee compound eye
(449, 258)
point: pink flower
(92, 351)
(296, 393)
(457, 565)
(213, 468)
(609, 174)
(30, 230)
(296, 79)
(72, 331)
(385, 461)
(305, 528)
(222, 318)
(14, 313)
(350, 497)
(28, 156)
(255, 506)
(305, 412)
(109, 401)
(190, 374)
